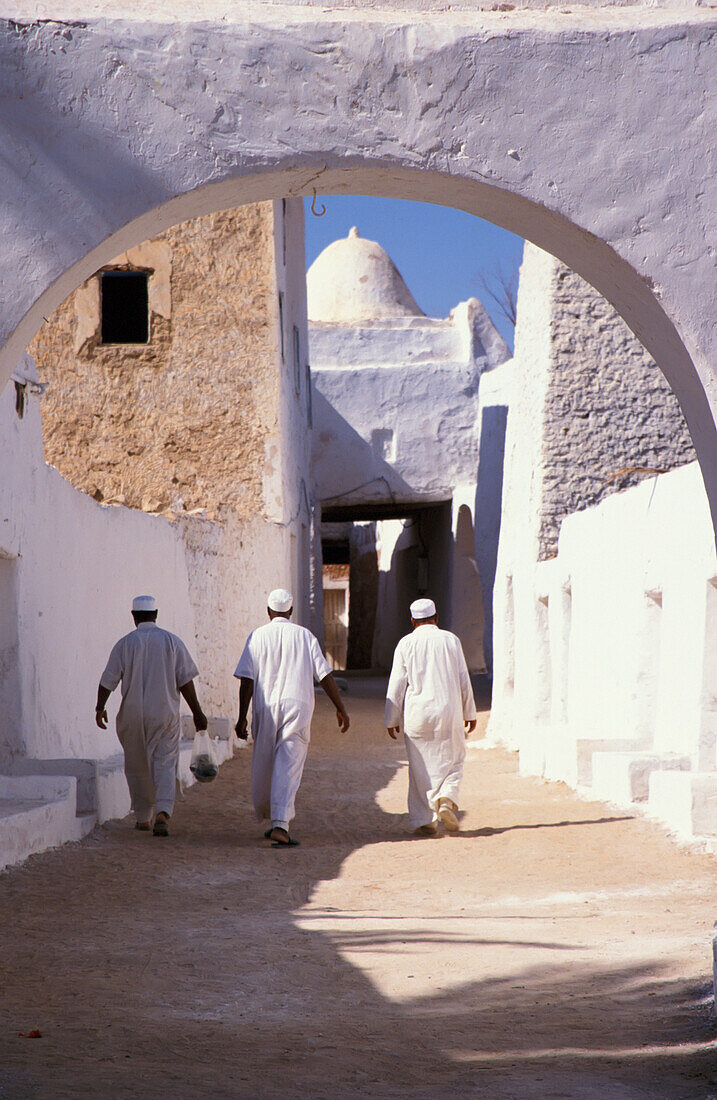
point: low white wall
(611, 646)
(76, 566)
(68, 571)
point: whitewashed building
(395, 404)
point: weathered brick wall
(610, 418)
(183, 420)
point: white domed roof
(356, 280)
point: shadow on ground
(178, 969)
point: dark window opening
(125, 307)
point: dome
(356, 280)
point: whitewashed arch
(590, 134)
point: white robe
(283, 660)
(430, 695)
(152, 665)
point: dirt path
(554, 949)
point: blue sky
(440, 252)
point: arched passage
(118, 130)
(591, 258)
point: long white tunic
(283, 660)
(152, 665)
(430, 695)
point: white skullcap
(280, 600)
(144, 603)
(422, 609)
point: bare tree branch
(500, 285)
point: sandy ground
(556, 948)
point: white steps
(46, 803)
(687, 803)
(624, 777)
(36, 813)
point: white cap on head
(144, 603)
(280, 600)
(422, 609)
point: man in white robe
(277, 671)
(155, 668)
(430, 692)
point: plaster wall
(231, 568)
(287, 460)
(77, 566)
(429, 6)
(515, 667)
(395, 406)
(396, 341)
(494, 396)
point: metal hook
(314, 211)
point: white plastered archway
(590, 136)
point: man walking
(276, 672)
(431, 690)
(155, 668)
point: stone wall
(181, 422)
(609, 417)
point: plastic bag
(203, 764)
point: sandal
(277, 835)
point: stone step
(624, 777)
(46, 803)
(101, 785)
(686, 802)
(83, 771)
(552, 750)
(36, 813)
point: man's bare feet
(161, 824)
